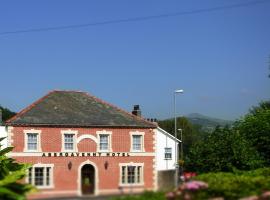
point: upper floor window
(104, 140)
(69, 142)
(168, 153)
(32, 140)
(41, 175)
(137, 141)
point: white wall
(3, 133)
(163, 140)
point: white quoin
(3, 133)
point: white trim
(155, 174)
(87, 136)
(168, 134)
(132, 133)
(51, 175)
(33, 131)
(39, 154)
(57, 192)
(79, 179)
(72, 132)
(131, 184)
(104, 132)
(104, 154)
(9, 135)
(125, 190)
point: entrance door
(88, 179)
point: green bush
(145, 196)
(235, 185)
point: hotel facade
(80, 145)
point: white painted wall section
(165, 140)
(3, 133)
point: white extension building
(166, 148)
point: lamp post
(181, 152)
(175, 135)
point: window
(69, 141)
(137, 141)
(104, 142)
(32, 140)
(131, 174)
(168, 153)
(40, 176)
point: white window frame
(104, 132)
(71, 132)
(51, 175)
(136, 175)
(32, 131)
(142, 142)
(168, 153)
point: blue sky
(219, 58)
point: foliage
(235, 185)
(190, 133)
(145, 196)
(255, 127)
(6, 113)
(10, 173)
(222, 150)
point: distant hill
(207, 123)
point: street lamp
(175, 135)
(181, 152)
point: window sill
(131, 184)
(105, 151)
(32, 151)
(137, 151)
(69, 151)
(45, 187)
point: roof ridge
(119, 109)
(29, 107)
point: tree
(255, 127)
(223, 150)
(6, 113)
(10, 175)
(190, 133)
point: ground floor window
(40, 176)
(131, 174)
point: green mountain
(207, 123)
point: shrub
(235, 185)
(145, 196)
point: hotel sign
(84, 154)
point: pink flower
(195, 185)
(170, 196)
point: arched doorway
(88, 179)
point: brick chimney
(136, 111)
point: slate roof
(76, 109)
